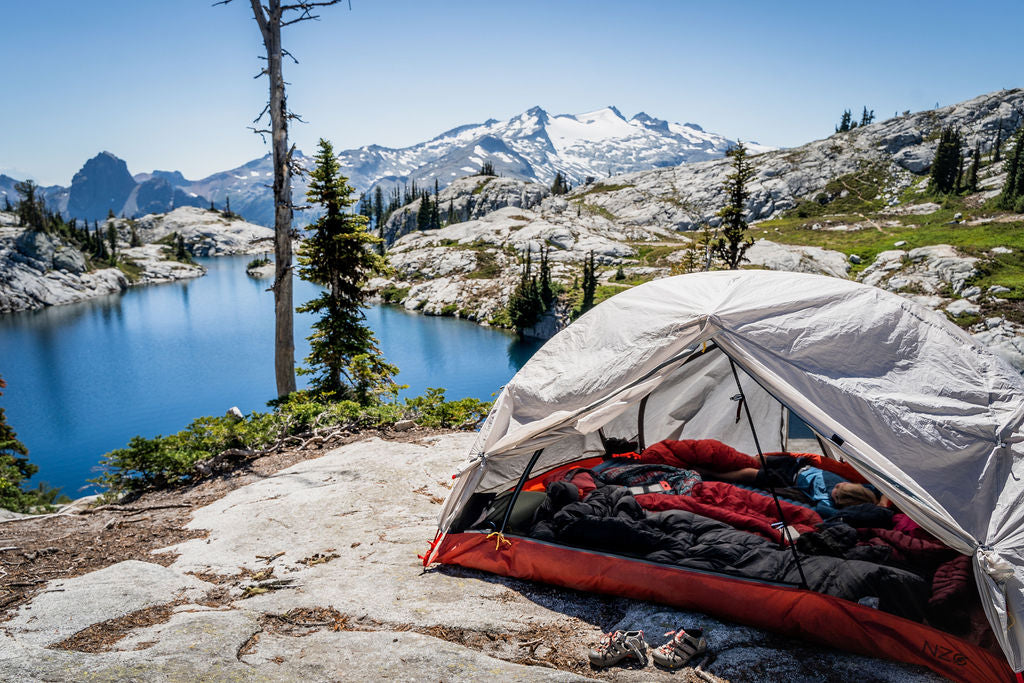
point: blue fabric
(817, 484)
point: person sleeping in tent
(827, 492)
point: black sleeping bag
(610, 520)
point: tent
(911, 402)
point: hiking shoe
(684, 646)
(618, 646)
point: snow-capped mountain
(533, 146)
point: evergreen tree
(451, 212)
(339, 256)
(14, 466)
(547, 294)
(112, 238)
(732, 246)
(423, 216)
(867, 117)
(1013, 186)
(998, 142)
(378, 208)
(559, 186)
(101, 244)
(947, 162)
(972, 174)
(524, 305)
(180, 252)
(844, 122)
(7, 204)
(134, 240)
(487, 168)
(435, 212)
(589, 283)
(31, 207)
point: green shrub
(394, 295)
(432, 410)
(168, 461)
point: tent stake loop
(764, 467)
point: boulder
(38, 246)
(962, 307)
(69, 259)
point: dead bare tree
(271, 18)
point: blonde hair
(846, 493)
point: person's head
(846, 493)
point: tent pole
(764, 468)
(519, 487)
(641, 443)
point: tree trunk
(284, 336)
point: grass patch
(595, 210)
(482, 184)
(862, 190)
(449, 309)
(131, 270)
(602, 187)
(487, 266)
(653, 254)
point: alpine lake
(82, 379)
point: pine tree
(423, 216)
(998, 142)
(947, 162)
(732, 246)
(112, 238)
(435, 212)
(844, 122)
(547, 294)
(972, 174)
(451, 212)
(559, 186)
(14, 466)
(589, 283)
(31, 206)
(1013, 186)
(487, 168)
(378, 208)
(524, 305)
(339, 256)
(867, 117)
(101, 244)
(180, 252)
(134, 240)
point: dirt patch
(102, 636)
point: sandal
(678, 652)
(618, 646)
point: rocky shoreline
(39, 269)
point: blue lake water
(83, 379)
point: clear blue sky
(170, 85)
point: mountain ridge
(533, 146)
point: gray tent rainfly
(915, 405)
